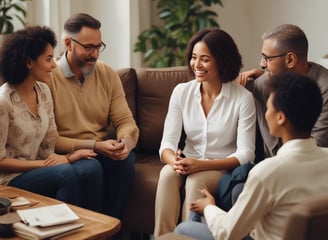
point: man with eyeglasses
(298, 170)
(88, 97)
(285, 48)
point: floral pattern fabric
(24, 135)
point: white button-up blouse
(227, 131)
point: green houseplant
(9, 11)
(164, 46)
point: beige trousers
(168, 195)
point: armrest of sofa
(308, 219)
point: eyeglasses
(90, 48)
(266, 58)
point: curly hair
(298, 97)
(20, 47)
(224, 50)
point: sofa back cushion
(154, 88)
(129, 81)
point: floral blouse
(24, 135)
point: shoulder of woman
(43, 86)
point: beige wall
(245, 20)
(120, 24)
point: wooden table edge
(84, 214)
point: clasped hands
(116, 150)
(184, 166)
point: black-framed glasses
(90, 48)
(266, 58)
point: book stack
(49, 222)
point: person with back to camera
(28, 129)
(284, 49)
(279, 182)
(88, 97)
(218, 117)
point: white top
(227, 131)
(298, 171)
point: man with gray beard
(88, 96)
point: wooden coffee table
(96, 225)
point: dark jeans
(236, 190)
(118, 179)
(79, 183)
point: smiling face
(41, 68)
(273, 65)
(78, 56)
(203, 63)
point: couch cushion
(154, 88)
(129, 80)
(140, 212)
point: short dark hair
(289, 37)
(19, 47)
(224, 50)
(74, 24)
(298, 97)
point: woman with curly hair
(27, 126)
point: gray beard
(86, 72)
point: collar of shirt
(64, 66)
(66, 69)
(299, 145)
(314, 71)
(14, 94)
(225, 91)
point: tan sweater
(84, 112)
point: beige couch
(148, 91)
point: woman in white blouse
(28, 129)
(218, 118)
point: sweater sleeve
(119, 113)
